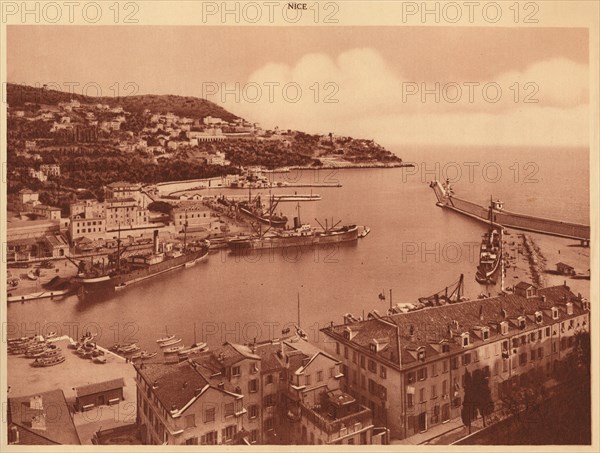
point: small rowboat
(99, 359)
(170, 342)
(173, 349)
(165, 339)
(148, 355)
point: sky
(398, 85)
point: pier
(446, 199)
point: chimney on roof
(36, 403)
(38, 421)
(543, 299)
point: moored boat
(173, 349)
(172, 342)
(50, 361)
(122, 272)
(193, 349)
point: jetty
(501, 217)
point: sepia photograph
(342, 224)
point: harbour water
(415, 249)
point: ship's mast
(185, 225)
(119, 247)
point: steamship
(121, 272)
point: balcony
(338, 427)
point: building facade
(410, 368)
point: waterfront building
(124, 213)
(260, 393)
(177, 404)
(410, 368)
(194, 213)
(87, 219)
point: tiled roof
(98, 387)
(434, 325)
(59, 424)
(176, 384)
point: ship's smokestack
(155, 242)
(297, 223)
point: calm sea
(415, 249)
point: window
(434, 391)
(444, 387)
(466, 359)
(307, 379)
(270, 400)
(372, 366)
(454, 363)
(229, 410)
(209, 438)
(382, 372)
(504, 328)
(253, 385)
(445, 347)
(253, 411)
(235, 371)
(422, 395)
(465, 340)
(269, 424)
(522, 358)
(253, 368)
(228, 432)
(445, 366)
(548, 332)
(337, 348)
(354, 357)
(209, 414)
(485, 333)
(345, 352)
(409, 400)
(332, 371)
(554, 313)
(540, 353)
(422, 374)
(362, 362)
(411, 377)
(269, 379)
(319, 376)
(476, 356)
(190, 421)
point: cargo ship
(255, 209)
(490, 256)
(301, 235)
(121, 272)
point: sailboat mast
(298, 309)
(119, 247)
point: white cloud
(370, 103)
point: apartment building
(177, 404)
(409, 368)
(261, 393)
